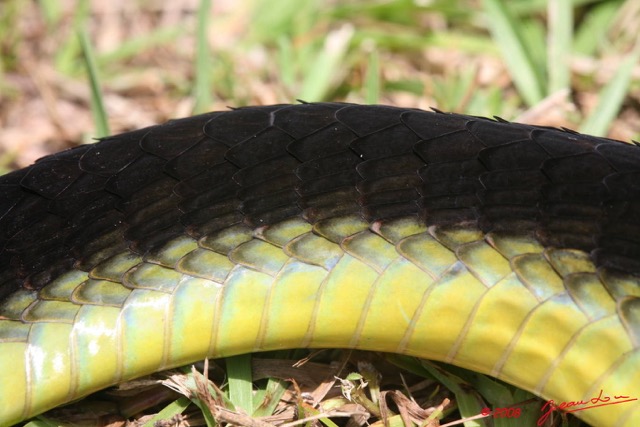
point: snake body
(509, 249)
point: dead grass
(344, 388)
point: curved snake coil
(508, 249)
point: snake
(508, 249)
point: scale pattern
(225, 221)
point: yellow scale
(500, 304)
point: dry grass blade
(410, 412)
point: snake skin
(257, 167)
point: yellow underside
(543, 320)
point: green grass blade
(41, 422)
(240, 382)
(559, 42)
(174, 408)
(133, 47)
(455, 40)
(469, 403)
(199, 390)
(532, 415)
(69, 49)
(372, 78)
(328, 64)
(285, 59)
(505, 31)
(51, 10)
(202, 87)
(591, 33)
(472, 390)
(611, 97)
(6, 158)
(97, 103)
(533, 35)
(275, 18)
(270, 397)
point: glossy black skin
(259, 165)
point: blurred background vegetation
(570, 63)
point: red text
(502, 412)
(581, 405)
